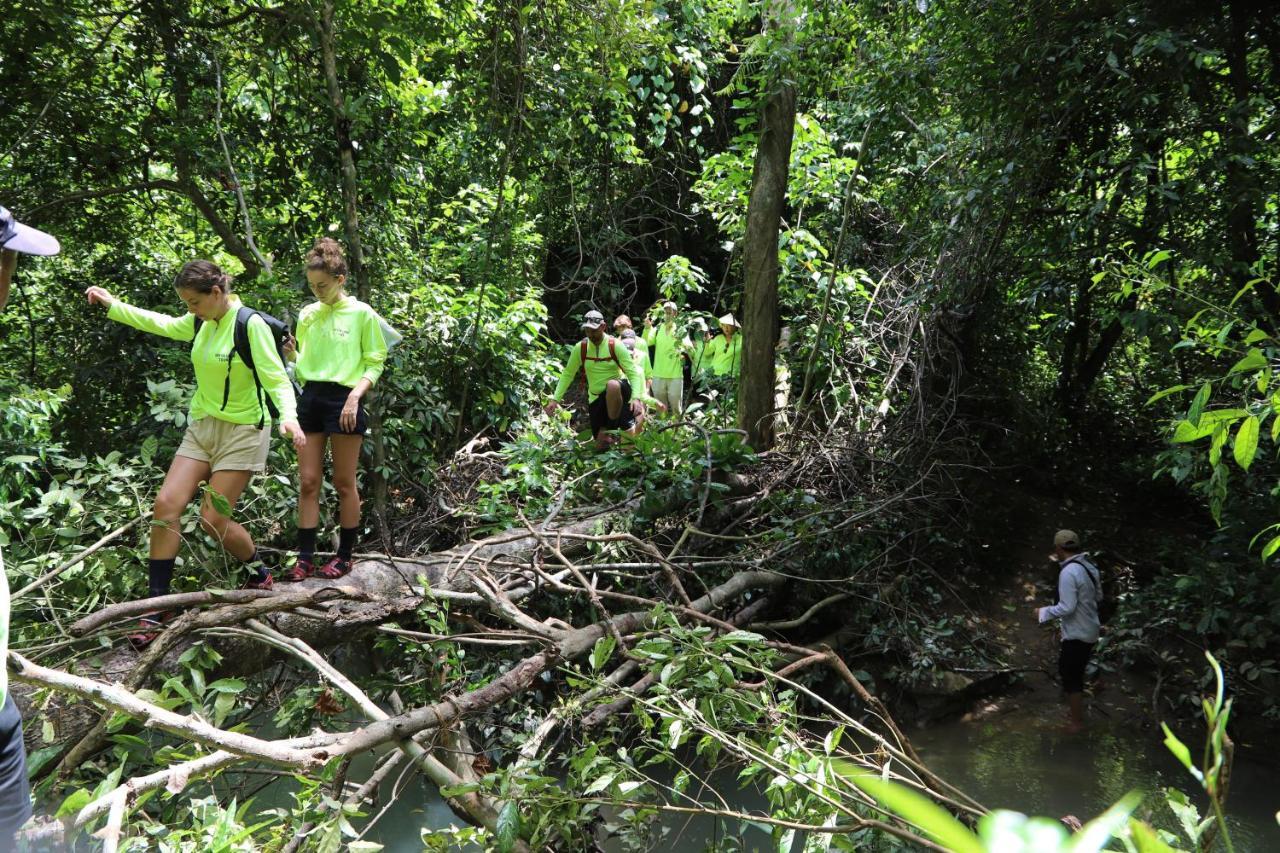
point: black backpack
(240, 337)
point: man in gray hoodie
(1079, 594)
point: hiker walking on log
(15, 793)
(241, 385)
(1079, 596)
(611, 378)
(670, 345)
(340, 353)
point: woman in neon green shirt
(340, 354)
(226, 441)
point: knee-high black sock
(347, 541)
(160, 576)
(306, 543)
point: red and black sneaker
(255, 582)
(150, 626)
(334, 569)
(301, 570)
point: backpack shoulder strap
(613, 353)
(241, 336)
(1090, 571)
(195, 329)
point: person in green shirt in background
(670, 345)
(639, 348)
(724, 354)
(612, 379)
(340, 353)
(226, 441)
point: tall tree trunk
(760, 254)
(355, 258)
(1241, 183)
(346, 152)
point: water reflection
(1024, 763)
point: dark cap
(17, 237)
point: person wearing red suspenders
(611, 377)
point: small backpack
(240, 337)
(1105, 605)
(582, 352)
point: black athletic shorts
(1072, 661)
(320, 406)
(15, 794)
(599, 409)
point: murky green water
(1027, 765)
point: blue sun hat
(16, 237)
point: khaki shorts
(227, 446)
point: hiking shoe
(334, 569)
(259, 583)
(301, 570)
(150, 626)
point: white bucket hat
(728, 320)
(16, 237)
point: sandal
(150, 626)
(301, 570)
(334, 569)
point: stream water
(1025, 763)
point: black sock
(306, 543)
(256, 566)
(347, 541)
(159, 576)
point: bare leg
(179, 487)
(346, 457)
(1075, 704)
(310, 476)
(613, 399)
(233, 538)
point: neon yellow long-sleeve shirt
(723, 356)
(211, 350)
(669, 344)
(340, 343)
(601, 368)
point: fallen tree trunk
(375, 591)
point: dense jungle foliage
(1030, 237)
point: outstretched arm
(177, 328)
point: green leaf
(936, 821)
(1270, 548)
(1246, 443)
(602, 651)
(74, 803)
(1160, 395)
(1180, 752)
(1198, 404)
(1097, 832)
(219, 501)
(1253, 360)
(508, 827)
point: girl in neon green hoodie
(226, 441)
(340, 354)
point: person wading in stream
(15, 793)
(612, 378)
(340, 354)
(229, 423)
(1079, 595)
